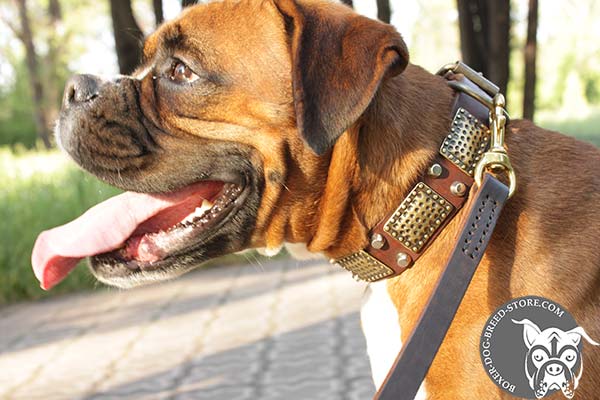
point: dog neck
(374, 164)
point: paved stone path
(281, 330)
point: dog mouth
(136, 234)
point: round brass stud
(458, 188)
(377, 241)
(402, 259)
(435, 170)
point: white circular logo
(531, 347)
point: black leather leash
(413, 362)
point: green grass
(586, 127)
(39, 190)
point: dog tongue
(105, 227)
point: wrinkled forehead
(223, 35)
(554, 337)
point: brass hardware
(480, 96)
(467, 141)
(418, 217)
(435, 170)
(459, 67)
(364, 266)
(403, 259)
(458, 188)
(377, 241)
(496, 159)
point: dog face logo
(553, 360)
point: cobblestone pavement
(281, 330)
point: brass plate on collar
(467, 141)
(420, 214)
(364, 266)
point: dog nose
(81, 89)
(554, 369)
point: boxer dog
(254, 123)
(553, 360)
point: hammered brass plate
(468, 139)
(364, 266)
(421, 213)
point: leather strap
(413, 362)
(441, 184)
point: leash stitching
(475, 227)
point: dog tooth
(206, 205)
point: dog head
(553, 360)
(236, 103)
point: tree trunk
(384, 11)
(128, 35)
(55, 10)
(158, 11)
(348, 3)
(530, 61)
(53, 92)
(485, 37)
(37, 90)
(186, 3)
(498, 66)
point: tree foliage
(72, 36)
(25, 34)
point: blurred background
(544, 54)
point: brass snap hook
(496, 158)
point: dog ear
(339, 59)
(530, 331)
(577, 333)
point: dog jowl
(553, 360)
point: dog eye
(570, 355)
(182, 73)
(538, 355)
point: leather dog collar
(404, 234)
